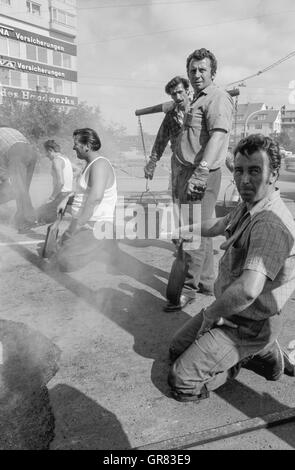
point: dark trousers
(200, 262)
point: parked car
(290, 162)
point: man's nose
(245, 178)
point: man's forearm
(214, 147)
(87, 211)
(233, 301)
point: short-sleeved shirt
(262, 240)
(212, 109)
(169, 130)
(8, 137)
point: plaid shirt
(169, 130)
(262, 240)
(8, 137)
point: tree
(39, 121)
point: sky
(129, 49)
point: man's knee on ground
(66, 263)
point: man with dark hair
(255, 279)
(17, 163)
(199, 152)
(91, 229)
(62, 178)
(171, 125)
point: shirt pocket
(237, 259)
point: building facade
(38, 51)
(288, 119)
(256, 118)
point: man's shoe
(184, 397)
(183, 301)
(269, 364)
(204, 290)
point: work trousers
(80, 249)
(21, 162)
(47, 213)
(207, 361)
(199, 261)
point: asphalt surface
(111, 390)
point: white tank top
(104, 211)
(67, 174)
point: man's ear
(274, 174)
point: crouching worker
(17, 164)
(62, 178)
(255, 279)
(93, 207)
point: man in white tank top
(93, 205)
(62, 179)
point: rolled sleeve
(219, 112)
(270, 245)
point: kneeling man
(256, 277)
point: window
(5, 2)
(63, 17)
(31, 52)
(57, 58)
(32, 81)
(3, 46)
(14, 48)
(57, 85)
(42, 54)
(43, 82)
(4, 76)
(68, 88)
(67, 61)
(33, 8)
(258, 126)
(16, 78)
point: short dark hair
(51, 145)
(200, 54)
(176, 81)
(88, 136)
(255, 142)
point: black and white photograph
(147, 232)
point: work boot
(269, 363)
(184, 397)
(205, 290)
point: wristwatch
(203, 164)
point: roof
(270, 116)
(247, 108)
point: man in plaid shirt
(171, 125)
(256, 278)
(17, 163)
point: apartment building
(254, 118)
(38, 51)
(288, 119)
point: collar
(206, 91)
(260, 205)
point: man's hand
(197, 184)
(149, 169)
(62, 205)
(208, 323)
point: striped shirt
(169, 130)
(8, 137)
(262, 240)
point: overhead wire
(266, 69)
(184, 28)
